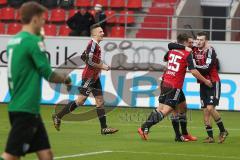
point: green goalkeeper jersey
(27, 64)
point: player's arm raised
(195, 72)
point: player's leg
(85, 90)
(206, 115)
(45, 154)
(208, 125)
(213, 101)
(182, 114)
(155, 117)
(7, 156)
(175, 123)
(98, 95)
(40, 143)
(169, 97)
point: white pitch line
(178, 154)
(82, 154)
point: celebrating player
(171, 86)
(206, 62)
(27, 64)
(179, 117)
(91, 82)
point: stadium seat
(2, 28)
(117, 3)
(50, 29)
(57, 15)
(117, 31)
(83, 3)
(13, 28)
(72, 12)
(3, 2)
(111, 17)
(64, 30)
(135, 4)
(7, 13)
(129, 18)
(104, 3)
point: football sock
(209, 131)
(71, 106)
(102, 117)
(220, 125)
(175, 124)
(183, 123)
(153, 119)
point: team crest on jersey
(42, 47)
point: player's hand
(208, 83)
(188, 49)
(68, 80)
(68, 83)
(106, 67)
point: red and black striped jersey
(206, 63)
(94, 56)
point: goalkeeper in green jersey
(27, 64)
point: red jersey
(94, 56)
(206, 63)
(178, 61)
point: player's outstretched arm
(198, 75)
(56, 77)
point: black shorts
(171, 96)
(27, 134)
(91, 86)
(210, 96)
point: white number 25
(173, 63)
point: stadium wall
(131, 83)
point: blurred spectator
(80, 23)
(66, 3)
(15, 3)
(100, 16)
(50, 4)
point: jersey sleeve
(175, 46)
(165, 58)
(210, 60)
(190, 62)
(37, 53)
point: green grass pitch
(82, 140)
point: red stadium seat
(50, 30)
(7, 13)
(83, 3)
(64, 30)
(117, 3)
(111, 15)
(129, 18)
(134, 4)
(13, 28)
(72, 12)
(2, 28)
(118, 31)
(104, 3)
(3, 2)
(46, 15)
(58, 15)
